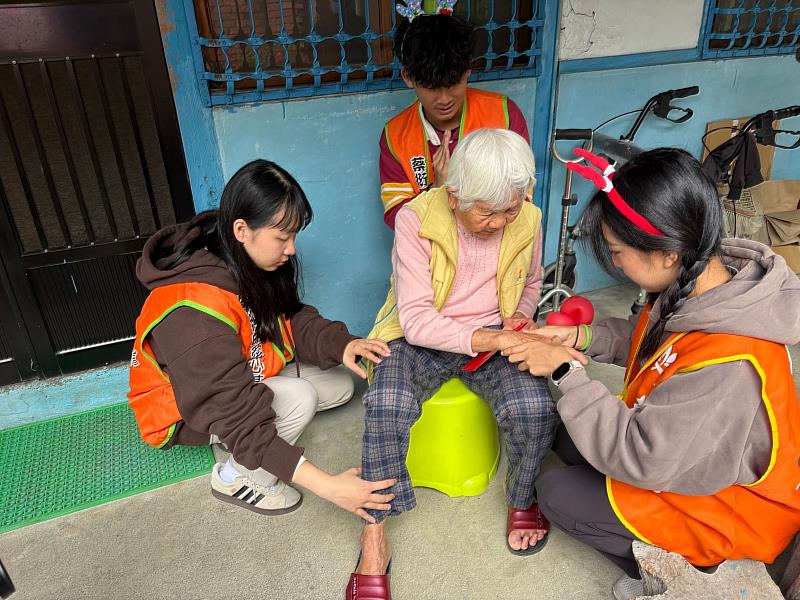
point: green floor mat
(62, 465)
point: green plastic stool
(454, 446)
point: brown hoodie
(213, 383)
(702, 431)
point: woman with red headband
(699, 452)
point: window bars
(751, 28)
(253, 50)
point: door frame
(27, 335)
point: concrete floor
(179, 542)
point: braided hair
(668, 188)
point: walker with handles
(560, 277)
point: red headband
(603, 182)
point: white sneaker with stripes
(277, 499)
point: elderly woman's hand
(539, 355)
(519, 321)
(370, 349)
(567, 335)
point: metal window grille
(252, 50)
(751, 28)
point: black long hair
(264, 195)
(435, 50)
(668, 188)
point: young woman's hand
(539, 356)
(346, 490)
(518, 319)
(370, 349)
(441, 160)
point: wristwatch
(563, 370)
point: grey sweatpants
(574, 499)
(297, 400)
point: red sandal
(527, 519)
(369, 587)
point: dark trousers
(574, 499)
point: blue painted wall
(330, 145)
(728, 89)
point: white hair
(494, 166)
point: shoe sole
(621, 597)
(538, 547)
(273, 512)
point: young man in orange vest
(415, 146)
(699, 453)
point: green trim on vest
(389, 142)
(290, 347)
(189, 304)
(463, 120)
(170, 433)
(412, 120)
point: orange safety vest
(405, 135)
(151, 395)
(756, 520)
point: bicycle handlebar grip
(683, 92)
(573, 134)
(785, 113)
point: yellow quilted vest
(438, 224)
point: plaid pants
(520, 402)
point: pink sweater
(472, 303)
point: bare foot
(522, 539)
(375, 551)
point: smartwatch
(563, 370)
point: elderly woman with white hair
(467, 271)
